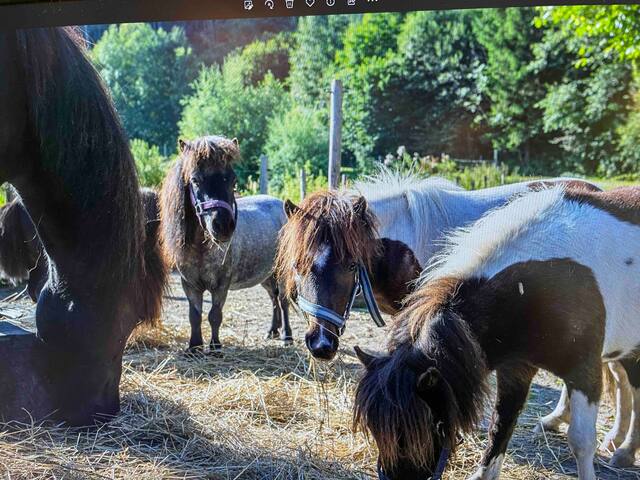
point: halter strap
(202, 207)
(437, 473)
(362, 283)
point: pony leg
(215, 320)
(283, 303)
(582, 432)
(624, 404)
(271, 287)
(624, 456)
(513, 389)
(561, 414)
(195, 317)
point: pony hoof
(622, 459)
(194, 352)
(287, 341)
(272, 335)
(215, 350)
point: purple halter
(202, 207)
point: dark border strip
(34, 13)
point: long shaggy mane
(427, 332)
(211, 151)
(81, 145)
(325, 217)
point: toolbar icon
(269, 4)
(351, 3)
(331, 3)
(310, 3)
(248, 4)
(289, 3)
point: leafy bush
(148, 71)
(297, 138)
(291, 186)
(225, 102)
(151, 165)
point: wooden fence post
(303, 184)
(264, 175)
(335, 134)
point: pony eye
(353, 266)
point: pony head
(209, 182)
(321, 247)
(427, 390)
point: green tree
(298, 138)
(611, 28)
(586, 107)
(229, 101)
(411, 81)
(510, 84)
(317, 39)
(148, 71)
(150, 164)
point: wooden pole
(343, 181)
(303, 184)
(335, 135)
(264, 175)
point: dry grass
(262, 411)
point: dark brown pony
(62, 146)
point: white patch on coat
(491, 471)
(582, 434)
(542, 226)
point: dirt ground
(261, 411)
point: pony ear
(290, 208)
(235, 141)
(183, 145)
(429, 380)
(360, 206)
(365, 358)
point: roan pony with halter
(216, 242)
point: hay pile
(262, 411)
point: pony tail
(173, 222)
(155, 271)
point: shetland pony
(216, 242)
(63, 148)
(548, 282)
(389, 225)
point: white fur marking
(490, 472)
(582, 434)
(521, 288)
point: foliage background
(550, 90)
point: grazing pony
(216, 242)
(21, 255)
(64, 150)
(386, 228)
(550, 282)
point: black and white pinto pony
(217, 242)
(549, 282)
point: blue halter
(362, 283)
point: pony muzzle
(322, 340)
(220, 225)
